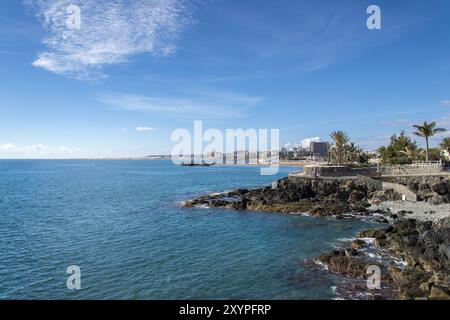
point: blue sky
(137, 70)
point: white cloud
(397, 122)
(9, 150)
(7, 147)
(305, 143)
(111, 32)
(144, 129)
(205, 105)
(445, 102)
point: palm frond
(439, 130)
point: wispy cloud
(144, 129)
(203, 105)
(445, 103)
(111, 32)
(397, 123)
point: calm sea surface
(120, 222)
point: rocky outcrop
(344, 262)
(316, 196)
(423, 246)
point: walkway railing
(427, 163)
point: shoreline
(413, 240)
(281, 163)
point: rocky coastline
(415, 246)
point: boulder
(337, 261)
(440, 187)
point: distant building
(318, 149)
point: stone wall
(344, 171)
(408, 180)
(339, 171)
(411, 169)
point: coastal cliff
(416, 249)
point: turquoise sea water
(120, 222)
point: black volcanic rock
(424, 246)
(317, 196)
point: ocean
(121, 223)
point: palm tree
(412, 154)
(445, 144)
(409, 153)
(340, 139)
(427, 130)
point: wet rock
(382, 220)
(337, 261)
(437, 199)
(424, 246)
(351, 252)
(371, 233)
(439, 293)
(359, 244)
(330, 209)
(408, 282)
(238, 192)
(356, 196)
